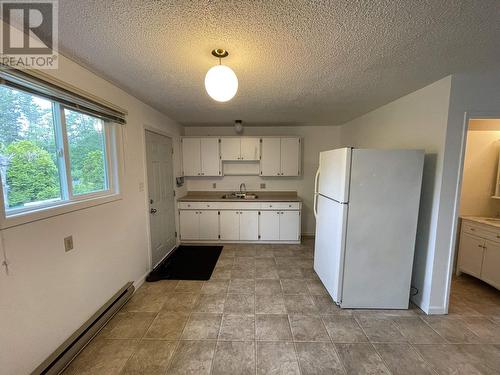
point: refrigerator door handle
(316, 193)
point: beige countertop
(491, 221)
(216, 196)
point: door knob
(153, 211)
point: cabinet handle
(472, 229)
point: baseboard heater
(63, 355)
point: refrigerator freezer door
(329, 244)
(381, 228)
(334, 170)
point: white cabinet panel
(289, 225)
(249, 225)
(491, 264)
(471, 254)
(191, 157)
(250, 148)
(209, 155)
(270, 163)
(229, 225)
(269, 225)
(189, 224)
(209, 225)
(290, 156)
(230, 148)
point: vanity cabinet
(264, 222)
(479, 251)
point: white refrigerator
(366, 205)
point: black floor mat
(187, 263)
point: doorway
(475, 284)
(161, 196)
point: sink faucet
(243, 186)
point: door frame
(453, 251)
(152, 129)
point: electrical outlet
(214, 185)
(141, 187)
(262, 186)
(68, 243)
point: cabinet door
(249, 225)
(289, 225)
(470, 255)
(189, 224)
(230, 149)
(209, 225)
(210, 161)
(270, 163)
(191, 157)
(290, 156)
(490, 271)
(269, 223)
(229, 225)
(250, 148)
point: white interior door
(230, 225)
(210, 158)
(161, 195)
(230, 148)
(191, 156)
(249, 225)
(290, 156)
(334, 175)
(289, 225)
(209, 225)
(270, 164)
(269, 223)
(250, 148)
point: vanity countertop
(491, 221)
(211, 196)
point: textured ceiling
(298, 62)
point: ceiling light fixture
(221, 82)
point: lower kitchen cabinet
(239, 225)
(229, 225)
(280, 225)
(199, 225)
(289, 225)
(271, 222)
(269, 225)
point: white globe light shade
(221, 83)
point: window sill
(60, 209)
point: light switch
(68, 243)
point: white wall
(417, 121)
(48, 293)
(474, 95)
(480, 169)
(314, 140)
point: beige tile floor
(265, 312)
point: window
(51, 155)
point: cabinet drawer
(280, 206)
(197, 205)
(481, 232)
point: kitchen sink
(239, 196)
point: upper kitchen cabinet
(201, 157)
(240, 148)
(280, 156)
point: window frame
(68, 201)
